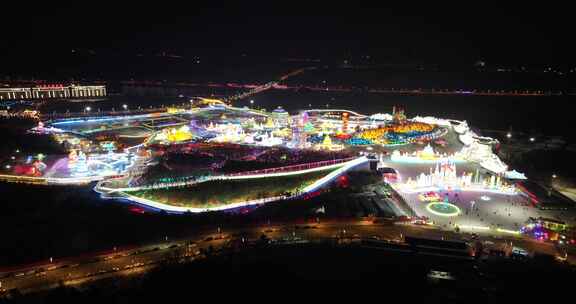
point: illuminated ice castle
(444, 176)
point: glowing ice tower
(299, 134)
(78, 165)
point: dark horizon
(416, 35)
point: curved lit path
(342, 168)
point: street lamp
(532, 139)
(554, 175)
(251, 101)
(88, 109)
(125, 106)
(509, 135)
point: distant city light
(251, 101)
(532, 139)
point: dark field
(317, 272)
(41, 222)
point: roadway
(139, 260)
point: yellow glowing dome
(175, 135)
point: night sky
(461, 33)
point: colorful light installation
(443, 209)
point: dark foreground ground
(306, 273)
(38, 222)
